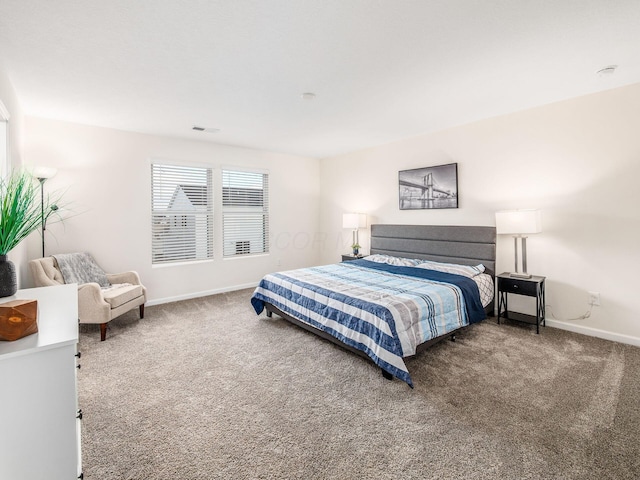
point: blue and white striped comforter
(384, 311)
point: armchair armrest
(126, 277)
(92, 308)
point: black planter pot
(8, 281)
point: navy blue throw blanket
(469, 288)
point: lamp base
(520, 275)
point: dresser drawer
(515, 285)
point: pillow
(464, 270)
(397, 261)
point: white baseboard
(594, 332)
(188, 296)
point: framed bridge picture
(429, 187)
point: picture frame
(428, 187)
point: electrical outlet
(594, 299)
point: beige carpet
(205, 389)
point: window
(245, 212)
(181, 212)
(4, 141)
(4, 157)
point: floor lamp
(519, 223)
(43, 174)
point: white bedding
(484, 281)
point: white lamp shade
(43, 172)
(518, 222)
(354, 220)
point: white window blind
(182, 213)
(245, 212)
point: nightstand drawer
(514, 285)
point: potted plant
(356, 249)
(22, 211)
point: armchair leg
(103, 332)
(142, 311)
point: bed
(419, 285)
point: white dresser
(39, 415)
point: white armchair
(95, 304)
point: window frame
(5, 154)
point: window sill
(249, 255)
(181, 264)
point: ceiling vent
(198, 128)
(607, 70)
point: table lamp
(519, 223)
(354, 221)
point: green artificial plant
(22, 211)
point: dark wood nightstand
(530, 287)
(350, 256)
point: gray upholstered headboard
(465, 245)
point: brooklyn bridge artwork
(429, 187)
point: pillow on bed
(397, 261)
(465, 270)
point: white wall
(578, 161)
(107, 177)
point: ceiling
(381, 70)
